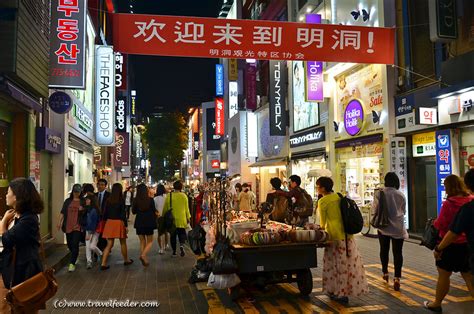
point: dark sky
(172, 82)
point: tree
(167, 138)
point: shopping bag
(224, 261)
(223, 281)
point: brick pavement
(165, 280)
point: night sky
(172, 82)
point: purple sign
(251, 86)
(48, 140)
(314, 70)
(354, 117)
(314, 81)
(122, 149)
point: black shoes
(128, 263)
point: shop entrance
(423, 183)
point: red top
(449, 209)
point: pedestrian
(102, 196)
(455, 257)
(145, 221)
(301, 203)
(91, 222)
(128, 201)
(245, 199)
(177, 201)
(163, 235)
(277, 201)
(23, 236)
(395, 231)
(238, 190)
(87, 189)
(70, 221)
(115, 225)
(343, 270)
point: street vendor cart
(277, 263)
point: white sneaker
(89, 265)
(160, 251)
(71, 268)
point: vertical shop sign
(314, 70)
(219, 80)
(212, 140)
(120, 71)
(443, 20)
(398, 164)
(251, 86)
(196, 145)
(277, 95)
(233, 70)
(219, 116)
(443, 162)
(122, 149)
(121, 114)
(233, 99)
(97, 157)
(133, 100)
(67, 44)
(105, 96)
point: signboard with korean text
(67, 44)
(122, 150)
(424, 144)
(60, 102)
(133, 103)
(219, 116)
(277, 98)
(233, 99)
(48, 140)
(305, 113)
(251, 86)
(98, 157)
(233, 70)
(428, 116)
(120, 71)
(443, 162)
(251, 39)
(212, 140)
(219, 80)
(398, 164)
(81, 120)
(105, 96)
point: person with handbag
(145, 221)
(177, 203)
(163, 235)
(115, 225)
(70, 221)
(343, 268)
(389, 209)
(455, 257)
(21, 259)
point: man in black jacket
(102, 197)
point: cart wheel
(304, 279)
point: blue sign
(404, 104)
(443, 162)
(219, 80)
(60, 102)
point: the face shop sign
(105, 96)
(308, 137)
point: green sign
(446, 18)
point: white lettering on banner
(346, 39)
(105, 95)
(120, 115)
(82, 116)
(278, 109)
(143, 27)
(118, 69)
(119, 141)
(306, 138)
(264, 35)
(192, 33)
(310, 36)
(313, 74)
(54, 140)
(228, 33)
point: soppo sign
(354, 117)
(277, 95)
(105, 96)
(253, 39)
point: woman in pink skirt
(343, 271)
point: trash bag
(197, 239)
(204, 265)
(224, 261)
(223, 281)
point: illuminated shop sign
(354, 117)
(219, 80)
(308, 137)
(277, 95)
(105, 96)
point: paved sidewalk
(165, 281)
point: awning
(270, 162)
(319, 173)
(20, 95)
(454, 89)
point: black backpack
(351, 215)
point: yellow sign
(233, 70)
(424, 138)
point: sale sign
(251, 39)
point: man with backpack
(278, 202)
(301, 203)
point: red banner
(251, 39)
(219, 116)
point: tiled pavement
(165, 280)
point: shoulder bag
(32, 294)
(430, 235)
(169, 218)
(380, 218)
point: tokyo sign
(251, 39)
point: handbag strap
(42, 256)
(171, 201)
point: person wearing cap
(70, 222)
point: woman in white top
(163, 236)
